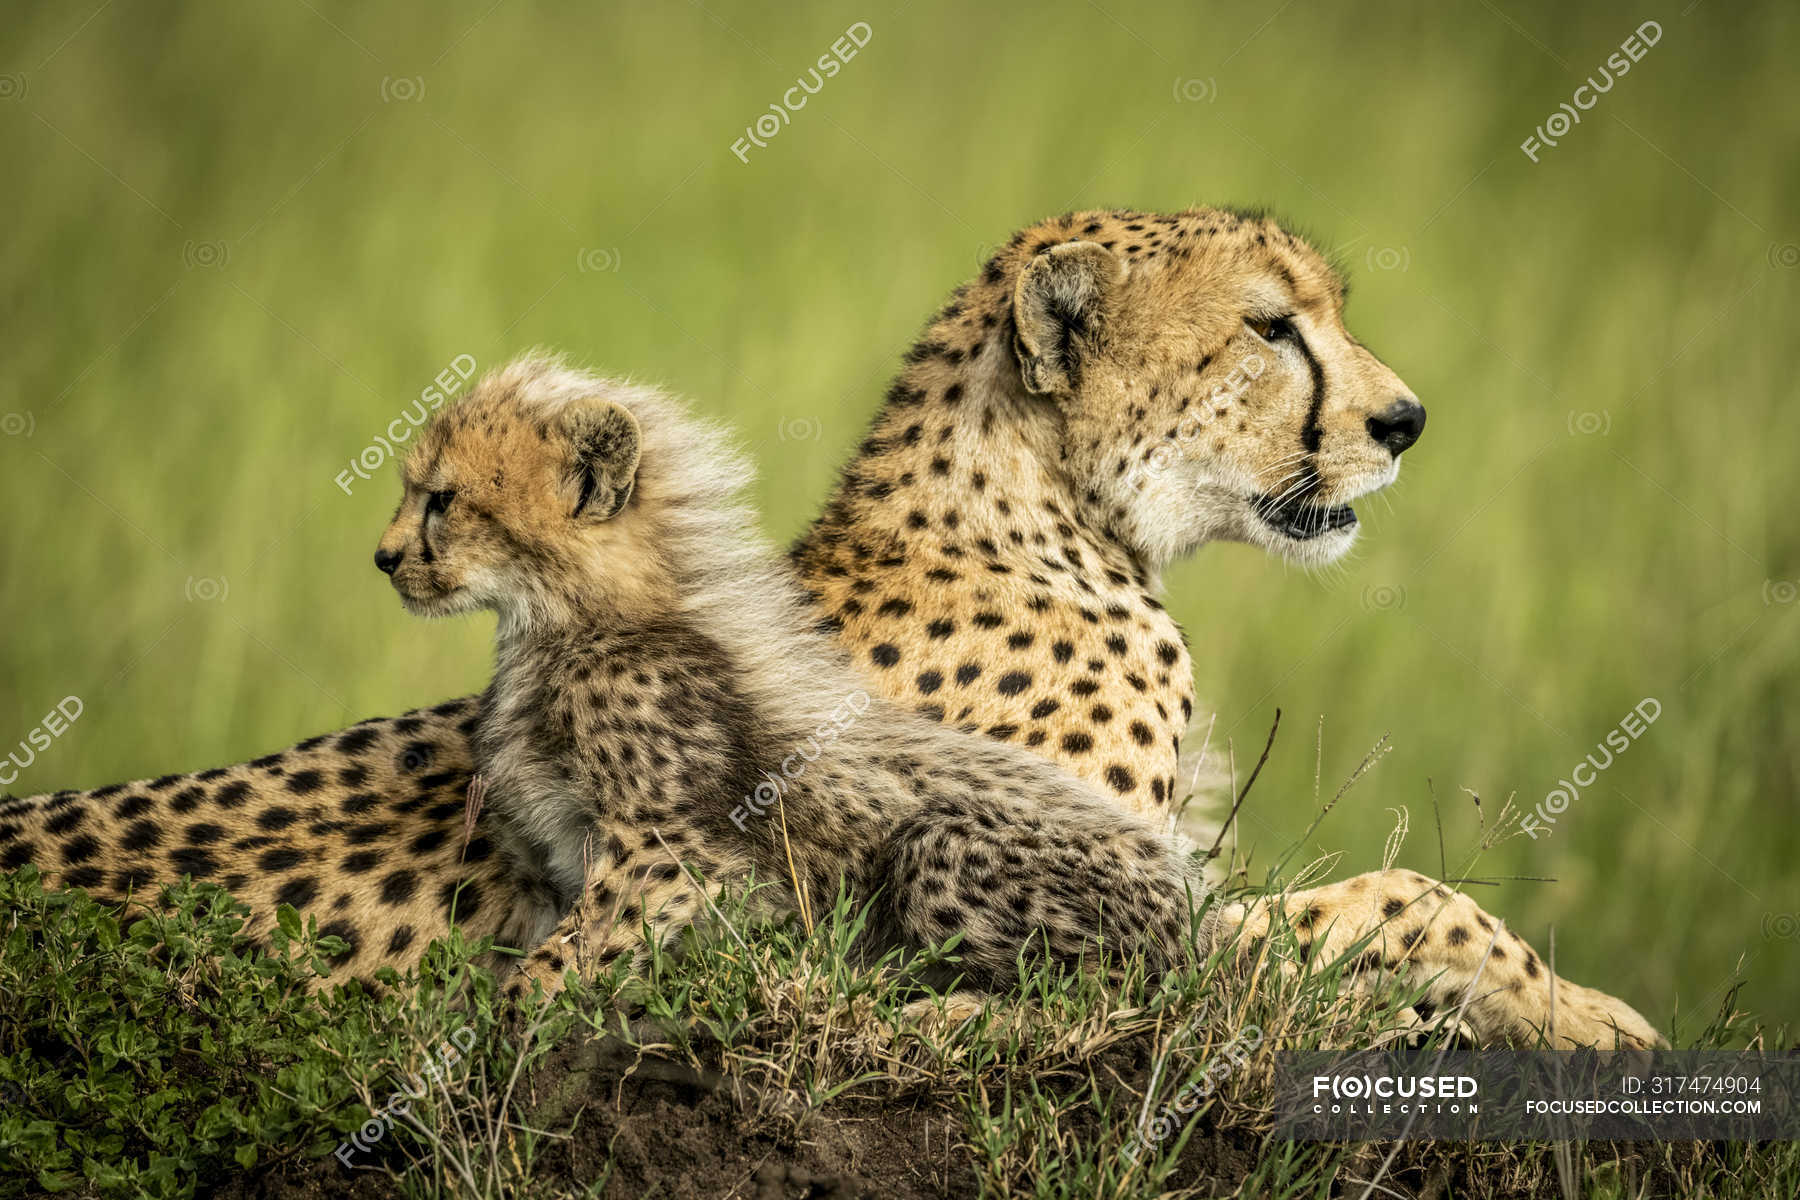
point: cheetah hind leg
(1467, 962)
(1059, 881)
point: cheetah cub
(665, 718)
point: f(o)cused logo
(414, 759)
(1780, 591)
(801, 429)
(207, 588)
(1196, 91)
(1590, 424)
(17, 424)
(205, 255)
(402, 88)
(1389, 258)
(1384, 597)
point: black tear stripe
(425, 551)
(1312, 434)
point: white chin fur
(453, 604)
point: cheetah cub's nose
(387, 560)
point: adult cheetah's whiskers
(1279, 488)
(1290, 459)
(1305, 480)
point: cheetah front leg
(623, 894)
(1468, 962)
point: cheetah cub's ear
(1060, 310)
(606, 443)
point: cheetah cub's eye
(1271, 329)
(437, 502)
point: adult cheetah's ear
(607, 443)
(1060, 311)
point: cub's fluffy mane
(731, 583)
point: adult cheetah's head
(1207, 385)
(514, 493)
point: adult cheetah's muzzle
(1302, 518)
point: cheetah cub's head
(1208, 388)
(520, 499)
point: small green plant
(152, 1052)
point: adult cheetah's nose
(387, 560)
(1399, 425)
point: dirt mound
(650, 1126)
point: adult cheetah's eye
(437, 502)
(1272, 329)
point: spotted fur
(361, 828)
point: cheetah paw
(938, 1014)
(1585, 1017)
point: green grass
(1526, 587)
(153, 1053)
(159, 1055)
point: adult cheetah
(1114, 390)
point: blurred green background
(240, 239)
